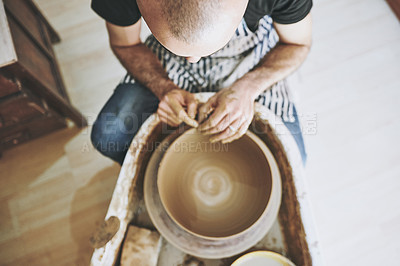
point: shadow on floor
(88, 209)
(22, 165)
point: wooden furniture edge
(6, 40)
(54, 100)
(55, 37)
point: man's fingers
(167, 118)
(188, 120)
(192, 108)
(231, 138)
(244, 124)
(182, 115)
(163, 105)
(165, 108)
(221, 126)
(172, 104)
(219, 113)
(239, 133)
(228, 132)
(167, 112)
(205, 110)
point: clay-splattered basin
(212, 201)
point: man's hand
(178, 106)
(231, 109)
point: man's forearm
(144, 66)
(275, 66)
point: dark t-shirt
(126, 12)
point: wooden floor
(53, 191)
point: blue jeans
(127, 109)
(120, 119)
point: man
(229, 47)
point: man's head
(192, 28)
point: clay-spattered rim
(273, 170)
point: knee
(121, 118)
(108, 141)
(96, 136)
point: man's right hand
(178, 106)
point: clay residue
(191, 261)
(105, 232)
(140, 247)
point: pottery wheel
(213, 187)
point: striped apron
(221, 69)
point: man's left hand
(231, 110)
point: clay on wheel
(214, 190)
